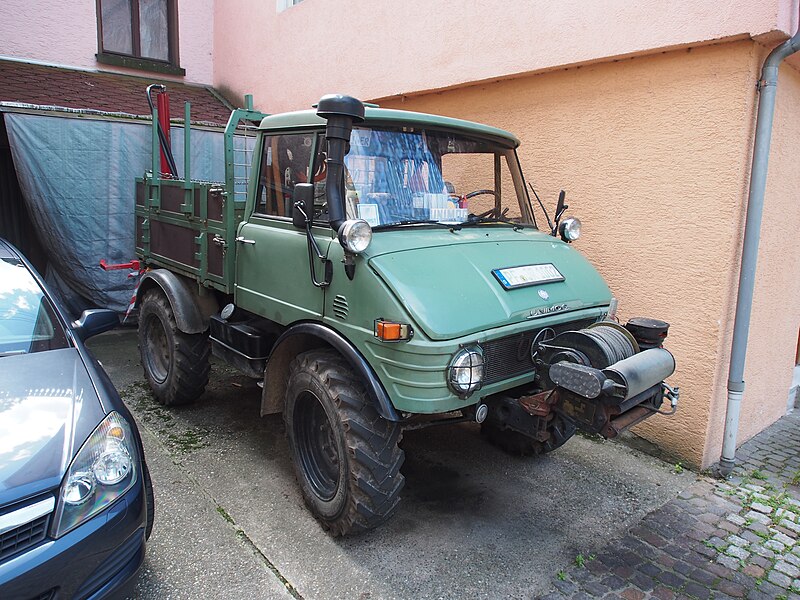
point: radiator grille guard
(510, 356)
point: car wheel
(345, 454)
(176, 364)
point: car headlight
(103, 470)
(355, 235)
(570, 229)
(465, 373)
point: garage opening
(15, 222)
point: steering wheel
(494, 212)
(480, 192)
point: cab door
(273, 273)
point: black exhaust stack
(341, 112)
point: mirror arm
(313, 249)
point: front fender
(305, 336)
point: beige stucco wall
(775, 322)
(654, 154)
(376, 49)
(65, 33)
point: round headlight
(355, 235)
(570, 229)
(465, 373)
(112, 466)
(78, 488)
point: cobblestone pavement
(738, 538)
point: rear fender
(191, 309)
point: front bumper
(611, 400)
(95, 560)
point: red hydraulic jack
(162, 101)
(168, 168)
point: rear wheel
(518, 444)
(345, 454)
(176, 364)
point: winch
(602, 379)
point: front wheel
(176, 364)
(345, 454)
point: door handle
(242, 240)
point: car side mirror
(95, 321)
(302, 205)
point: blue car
(76, 501)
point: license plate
(514, 277)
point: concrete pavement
(473, 522)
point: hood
(446, 282)
(48, 407)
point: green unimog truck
(378, 270)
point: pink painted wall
(381, 49)
(65, 33)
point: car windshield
(27, 320)
(396, 177)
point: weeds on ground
(224, 514)
(796, 478)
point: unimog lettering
(382, 270)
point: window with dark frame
(140, 34)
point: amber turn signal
(389, 331)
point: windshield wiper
(414, 222)
(475, 220)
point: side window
(286, 160)
(284, 4)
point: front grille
(23, 537)
(510, 356)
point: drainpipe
(767, 87)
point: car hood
(48, 408)
(445, 279)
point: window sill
(142, 64)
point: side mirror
(561, 207)
(95, 321)
(302, 205)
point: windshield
(27, 320)
(411, 175)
